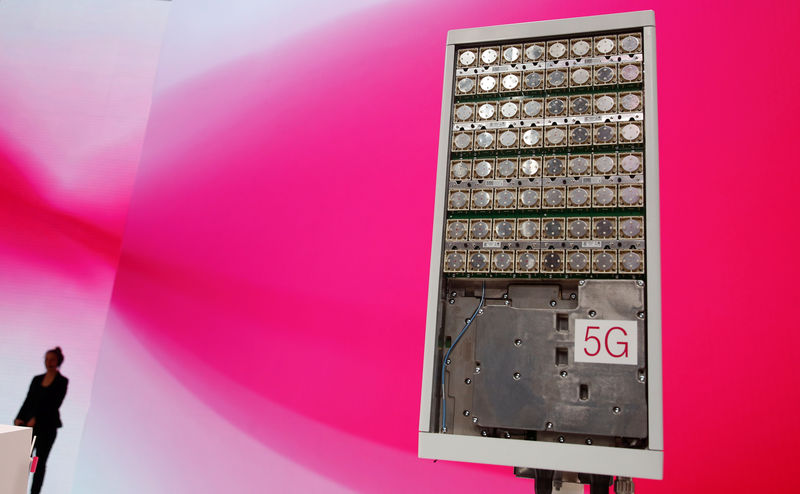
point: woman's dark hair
(58, 353)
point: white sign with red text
(605, 342)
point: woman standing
(40, 410)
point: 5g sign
(606, 342)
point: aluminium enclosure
(546, 242)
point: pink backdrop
(267, 320)
(76, 81)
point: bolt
(506, 302)
(480, 312)
(641, 378)
(452, 301)
(548, 425)
(517, 342)
(466, 413)
(563, 373)
(640, 282)
(573, 296)
(507, 435)
(640, 315)
(505, 295)
(582, 282)
(552, 303)
(592, 313)
(467, 381)
(453, 294)
(588, 440)
(477, 370)
(474, 420)
(516, 376)
(484, 433)
(561, 439)
(616, 410)
(447, 362)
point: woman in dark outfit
(40, 410)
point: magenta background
(267, 321)
(76, 81)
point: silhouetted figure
(40, 410)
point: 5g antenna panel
(543, 335)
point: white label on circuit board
(491, 245)
(591, 244)
(603, 341)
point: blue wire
(447, 355)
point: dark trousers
(44, 443)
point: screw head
(517, 342)
(506, 302)
(573, 296)
(484, 433)
(582, 282)
(592, 313)
(477, 370)
(640, 315)
(467, 381)
(444, 429)
(640, 282)
(480, 312)
(548, 425)
(588, 440)
(552, 303)
(641, 378)
(616, 410)
(466, 413)
(474, 420)
(452, 301)
(505, 295)
(507, 435)
(447, 362)
(453, 294)
(561, 439)
(563, 373)
(516, 376)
